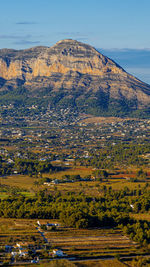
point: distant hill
(71, 74)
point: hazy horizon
(134, 61)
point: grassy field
(141, 216)
(75, 243)
(91, 263)
(3, 195)
(101, 263)
(91, 243)
(21, 181)
(17, 230)
(93, 119)
(93, 188)
(96, 263)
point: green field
(117, 182)
(75, 243)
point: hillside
(70, 75)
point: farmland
(29, 185)
(77, 244)
(91, 179)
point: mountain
(71, 74)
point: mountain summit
(73, 73)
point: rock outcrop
(71, 66)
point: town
(87, 160)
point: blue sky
(134, 61)
(105, 24)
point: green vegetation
(25, 166)
(32, 166)
(80, 211)
(99, 105)
(91, 180)
(121, 155)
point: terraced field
(87, 243)
(17, 230)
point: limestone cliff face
(64, 56)
(73, 66)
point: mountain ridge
(79, 73)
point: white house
(58, 253)
(23, 252)
(14, 253)
(38, 223)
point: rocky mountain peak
(75, 67)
